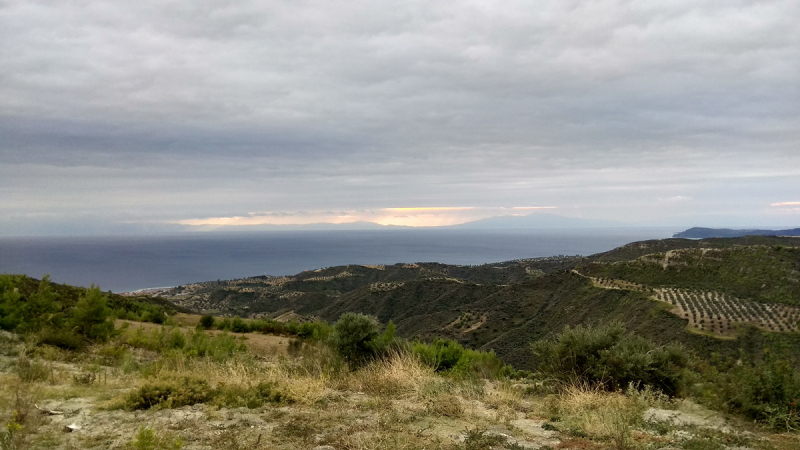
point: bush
(606, 355)
(316, 331)
(62, 338)
(146, 439)
(767, 391)
(239, 326)
(249, 397)
(219, 347)
(357, 338)
(441, 354)
(169, 394)
(206, 322)
(30, 371)
(445, 355)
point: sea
(128, 263)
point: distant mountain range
(702, 233)
(533, 220)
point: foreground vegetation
(155, 390)
(355, 385)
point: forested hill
(699, 233)
(70, 316)
(714, 295)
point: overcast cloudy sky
(137, 115)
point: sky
(152, 116)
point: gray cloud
(184, 109)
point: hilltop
(699, 233)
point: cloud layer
(649, 112)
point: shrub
(444, 355)
(30, 371)
(767, 391)
(239, 326)
(224, 324)
(482, 364)
(219, 347)
(146, 439)
(606, 355)
(174, 339)
(169, 394)
(357, 338)
(62, 338)
(249, 397)
(317, 331)
(206, 322)
(441, 354)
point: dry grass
(396, 402)
(263, 345)
(593, 412)
(400, 374)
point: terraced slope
(714, 312)
(764, 274)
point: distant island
(702, 233)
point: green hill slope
(703, 293)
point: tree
(9, 303)
(90, 317)
(36, 311)
(357, 338)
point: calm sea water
(123, 264)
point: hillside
(713, 295)
(699, 233)
(64, 297)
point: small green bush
(478, 439)
(30, 370)
(444, 355)
(170, 394)
(441, 354)
(224, 324)
(62, 338)
(112, 355)
(357, 338)
(206, 322)
(483, 364)
(252, 397)
(239, 326)
(219, 347)
(767, 391)
(146, 439)
(606, 355)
